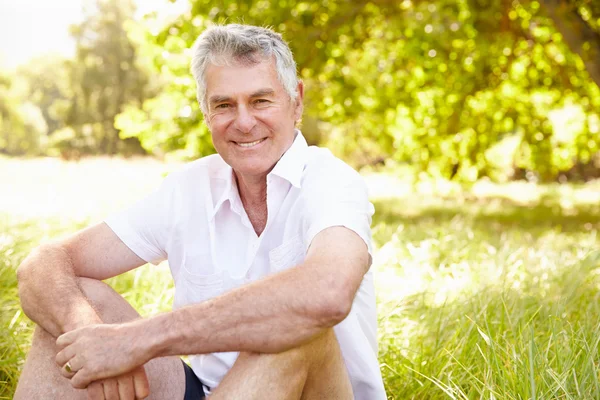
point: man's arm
(51, 297)
(274, 314)
(47, 278)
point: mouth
(247, 145)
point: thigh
(257, 376)
(315, 370)
(41, 376)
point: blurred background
(475, 123)
(460, 89)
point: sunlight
(42, 27)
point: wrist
(153, 336)
(136, 333)
(89, 317)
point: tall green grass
(489, 299)
(149, 289)
(17, 237)
(480, 297)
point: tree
(578, 23)
(21, 123)
(48, 88)
(104, 75)
(443, 85)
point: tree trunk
(576, 33)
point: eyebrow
(218, 99)
(263, 92)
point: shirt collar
(289, 167)
(225, 176)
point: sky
(30, 28)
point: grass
(490, 297)
(486, 293)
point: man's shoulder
(322, 167)
(200, 170)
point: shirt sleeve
(145, 227)
(338, 197)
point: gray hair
(224, 44)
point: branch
(576, 33)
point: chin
(258, 168)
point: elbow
(28, 271)
(25, 274)
(337, 305)
(25, 269)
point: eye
(222, 106)
(261, 101)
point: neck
(253, 190)
(253, 193)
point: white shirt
(197, 221)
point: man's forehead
(223, 64)
(226, 80)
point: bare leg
(41, 378)
(315, 370)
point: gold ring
(68, 367)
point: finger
(80, 380)
(66, 339)
(67, 371)
(111, 389)
(71, 367)
(126, 388)
(140, 383)
(95, 391)
(64, 356)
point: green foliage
(169, 122)
(105, 77)
(490, 296)
(17, 239)
(460, 89)
(22, 126)
(436, 84)
(47, 86)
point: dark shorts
(194, 389)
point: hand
(131, 386)
(97, 352)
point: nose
(244, 120)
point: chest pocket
(197, 281)
(289, 254)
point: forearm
(271, 315)
(49, 292)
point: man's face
(250, 115)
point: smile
(250, 144)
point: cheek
(218, 140)
(217, 121)
(217, 129)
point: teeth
(251, 143)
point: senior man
(268, 242)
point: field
(490, 292)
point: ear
(206, 121)
(299, 106)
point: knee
(110, 305)
(318, 348)
(323, 347)
(97, 293)
(95, 290)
